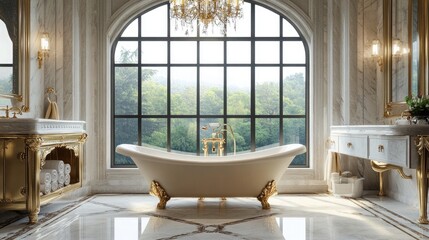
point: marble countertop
(40, 126)
(381, 129)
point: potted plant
(418, 107)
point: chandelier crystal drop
(206, 12)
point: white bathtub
(251, 174)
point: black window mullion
(225, 90)
(139, 84)
(168, 81)
(198, 117)
(252, 83)
(112, 105)
(281, 142)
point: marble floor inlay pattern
(292, 216)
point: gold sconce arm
(44, 49)
(376, 53)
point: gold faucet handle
(6, 111)
(14, 111)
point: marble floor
(292, 216)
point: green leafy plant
(418, 106)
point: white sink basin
(40, 126)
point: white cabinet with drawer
(354, 145)
(390, 149)
(391, 144)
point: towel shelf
(22, 156)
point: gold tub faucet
(14, 110)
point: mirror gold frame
(22, 98)
(392, 108)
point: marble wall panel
(335, 44)
(36, 74)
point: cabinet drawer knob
(380, 148)
(349, 145)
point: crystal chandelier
(206, 13)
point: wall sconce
(44, 48)
(376, 53)
(396, 47)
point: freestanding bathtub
(251, 174)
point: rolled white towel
(67, 168)
(45, 188)
(53, 173)
(67, 179)
(60, 185)
(45, 176)
(54, 164)
(54, 186)
(61, 178)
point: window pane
(211, 52)
(132, 29)
(266, 23)
(294, 90)
(154, 91)
(126, 90)
(238, 79)
(267, 90)
(6, 77)
(289, 30)
(183, 90)
(126, 52)
(294, 132)
(179, 30)
(267, 52)
(267, 132)
(6, 48)
(184, 135)
(154, 132)
(154, 52)
(158, 16)
(238, 52)
(207, 133)
(242, 26)
(125, 132)
(183, 52)
(241, 128)
(211, 98)
(293, 52)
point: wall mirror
(404, 36)
(14, 53)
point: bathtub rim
(153, 154)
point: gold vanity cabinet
(22, 157)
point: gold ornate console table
(25, 145)
(390, 147)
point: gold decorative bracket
(34, 143)
(382, 167)
(158, 191)
(269, 190)
(422, 145)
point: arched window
(167, 84)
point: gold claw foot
(158, 191)
(33, 218)
(269, 190)
(423, 220)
